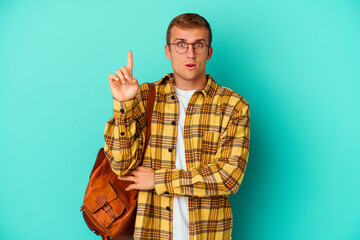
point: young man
(199, 142)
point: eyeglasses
(182, 47)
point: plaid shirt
(216, 139)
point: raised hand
(122, 84)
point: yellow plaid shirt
(216, 139)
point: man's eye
(181, 44)
(199, 45)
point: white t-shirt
(180, 207)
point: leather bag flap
(94, 201)
(104, 205)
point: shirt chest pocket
(209, 147)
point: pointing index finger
(130, 63)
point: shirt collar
(208, 91)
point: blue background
(296, 62)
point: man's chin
(188, 77)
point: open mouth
(190, 65)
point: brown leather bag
(108, 209)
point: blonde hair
(188, 20)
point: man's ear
(167, 51)
(210, 52)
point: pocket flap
(104, 204)
(99, 196)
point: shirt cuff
(163, 182)
(122, 108)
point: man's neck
(186, 85)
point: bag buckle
(104, 205)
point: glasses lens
(199, 48)
(181, 47)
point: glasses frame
(187, 47)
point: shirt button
(173, 97)
(173, 123)
(170, 149)
(167, 208)
(122, 110)
(122, 133)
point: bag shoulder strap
(149, 110)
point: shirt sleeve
(221, 177)
(125, 133)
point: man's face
(188, 66)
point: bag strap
(149, 110)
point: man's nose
(191, 52)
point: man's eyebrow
(197, 40)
